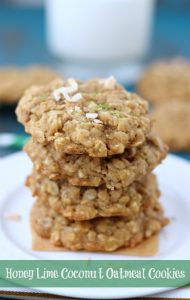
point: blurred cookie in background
(14, 81)
(166, 80)
(172, 122)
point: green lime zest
(103, 106)
(117, 114)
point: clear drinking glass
(95, 37)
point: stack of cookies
(93, 152)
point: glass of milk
(99, 32)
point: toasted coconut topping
(77, 109)
(69, 110)
(65, 91)
(73, 86)
(109, 83)
(91, 115)
(76, 97)
(97, 121)
(57, 94)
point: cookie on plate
(95, 117)
(172, 122)
(100, 234)
(166, 80)
(14, 81)
(79, 203)
(81, 170)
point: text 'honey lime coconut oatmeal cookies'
(95, 117)
(93, 151)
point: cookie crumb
(13, 217)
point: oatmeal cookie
(101, 234)
(80, 204)
(166, 80)
(81, 170)
(95, 117)
(172, 122)
(14, 81)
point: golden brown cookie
(101, 234)
(79, 203)
(166, 80)
(14, 81)
(95, 117)
(81, 170)
(172, 122)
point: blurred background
(82, 38)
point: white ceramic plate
(15, 237)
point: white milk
(99, 30)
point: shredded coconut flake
(65, 91)
(97, 121)
(77, 109)
(66, 95)
(69, 110)
(109, 83)
(76, 97)
(57, 94)
(91, 115)
(73, 86)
